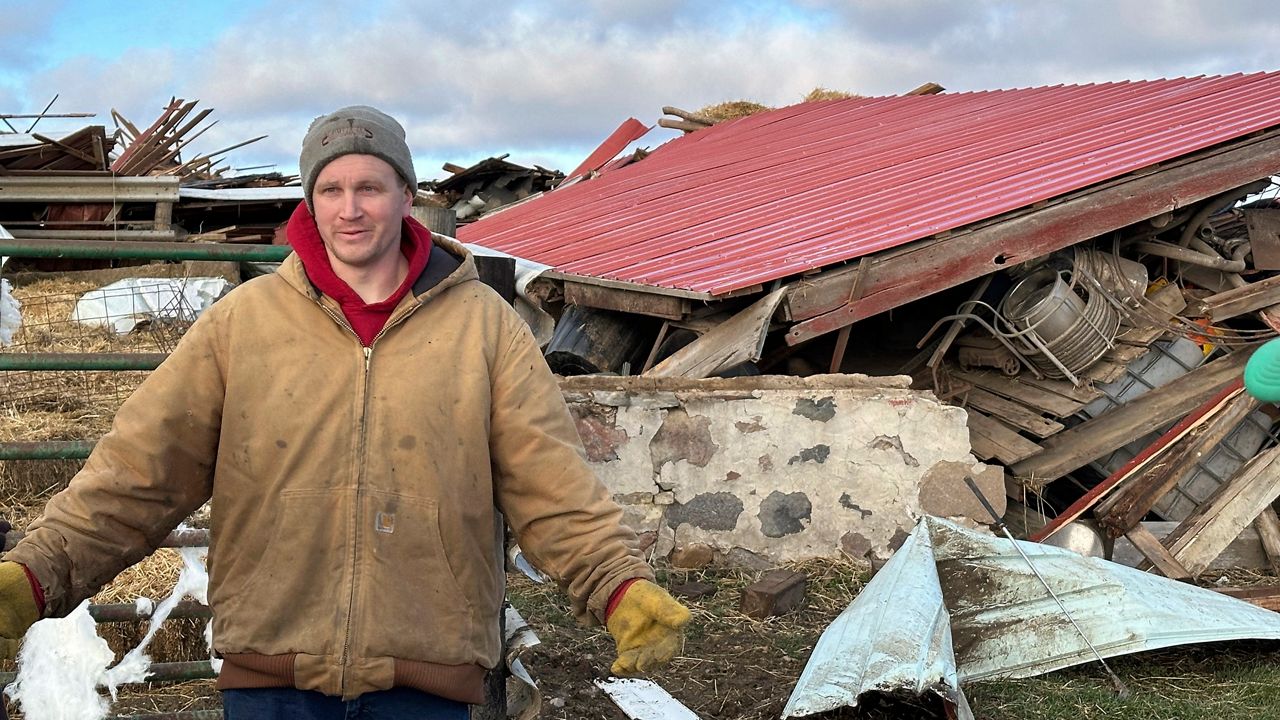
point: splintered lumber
(735, 341)
(1015, 414)
(1268, 526)
(1244, 552)
(1238, 301)
(1232, 508)
(1077, 446)
(992, 439)
(1126, 507)
(1046, 401)
(1135, 465)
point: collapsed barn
(788, 335)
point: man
(356, 418)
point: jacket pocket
(415, 607)
(296, 589)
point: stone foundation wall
(775, 468)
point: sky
(547, 81)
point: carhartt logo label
(351, 131)
(385, 523)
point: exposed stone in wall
(782, 514)
(775, 469)
(597, 428)
(708, 511)
(682, 437)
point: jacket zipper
(364, 415)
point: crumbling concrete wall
(779, 468)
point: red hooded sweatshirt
(367, 319)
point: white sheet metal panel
(644, 700)
(12, 140)
(287, 193)
(1004, 624)
(950, 588)
(895, 636)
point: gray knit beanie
(358, 129)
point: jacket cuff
(616, 597)
(37, 592)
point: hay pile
(820, 93)
(732, 110)
(66, 405)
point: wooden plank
(1268, 526)
(997, 441)
(1244, 552)
(1126, 507)
(1120, 426)
(927, 266)
(777, 593)
(1013, 413)
(1140, 336)
(631, 301)
(735, 341)
(1082, 394)
(1210, 529)
(109, 235)
(1014, 389)
(1104, 371)
(1238, 301)
(1150, 547)
(1264, 597)
(1125, 354)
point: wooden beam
(1244, 552)
(1120, 426)
(1268, 526)
(1233, 507)
(1238, 301)
(1131, 502)
(1264, 597)
(927, 266)
(607, 298)
(1150, 547)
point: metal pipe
(80, 361)
(128, 612)
(1187, 255)
(142, 250)
(52, 187)
(46, 450)
(158, 672)
(180, 538)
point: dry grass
(732, 109)
(821, 93)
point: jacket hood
(445, 269)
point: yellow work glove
(18, 609)
(646, 625)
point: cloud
(547, 80)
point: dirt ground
(736, 668)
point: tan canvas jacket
(353, 490)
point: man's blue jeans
(291, 704)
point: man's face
(359, 202)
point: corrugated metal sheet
(817, 184)
(977, 611)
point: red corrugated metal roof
(771, 195)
